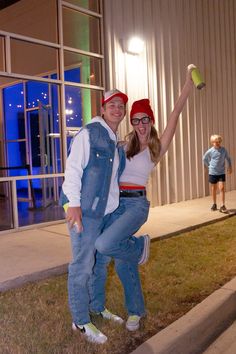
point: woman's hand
(190, 68)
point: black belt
(132, 193)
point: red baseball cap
(142, 106)
(114, 93)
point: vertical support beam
(8, 54)
(14, 204)
(62, 86)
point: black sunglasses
(144, 120)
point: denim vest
(97, 174)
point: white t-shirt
(138, 168)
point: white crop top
(138, 168)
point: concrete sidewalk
(37, 253)
(31, 255)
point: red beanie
(142, 106)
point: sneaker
(146, 250)
(132, 324)
(110, 316)
(214, 207)
(91, 332)
(223, 209)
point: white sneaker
(146, 250)
(132, 324)
(110, 316)
(90, 332)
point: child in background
(214, 160)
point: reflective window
(33, 59)
(41, 195)
(35, 131)
(89, 69)
(7, 81)
(13, 103)
(81, 105)
(36, 19)
(36, 92)
(32, 127)
(6, 212)
(81, 31)
(33, 202)
(73, 106)
(16, 158)
(92, 5)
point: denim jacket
(97, 174)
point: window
(49, 88)
(81, 31)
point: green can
(197, 79)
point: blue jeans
(81, 266)
(117, 241)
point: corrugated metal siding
(177, 33)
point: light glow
(135, 45)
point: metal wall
(177, 33)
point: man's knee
(82, 267)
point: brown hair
(133, 146)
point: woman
(143, 150)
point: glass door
(46, 153)
(40, 152)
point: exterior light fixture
(135, 45)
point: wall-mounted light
(133, 45)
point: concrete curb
(196, 330)
(36, 276)
(192, 227)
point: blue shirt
(214, 159)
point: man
(90, 193)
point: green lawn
(181, 272)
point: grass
(181, 272)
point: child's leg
(213, 191)
(222, 192)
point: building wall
(177, 33)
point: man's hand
(74, 217)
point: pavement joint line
(55, 232)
